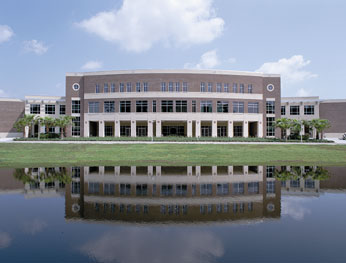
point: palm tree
(296, 126)
(320, 125)
(20, 125)
(38, 120)
(283, 124)
(48, 122)
(63, 122)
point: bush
(49, 135)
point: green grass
(31, 155)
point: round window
(75, 208)
(271, 207)
(270, 87)
(75, 86)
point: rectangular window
(270, 126)
(76, 106)
(109, 189)
(76, 126)
(163, 86)
(167, 106)
(210, 87)
(35, 108)
(225, 87)
(177, 86)
(207, 106)
(194, 107)
(122, 87)
(145, 86)
(235, 88)
(241, 88)
(170, 86)
(238, 188)
(109, 106)
(252, 107)
(138, 87)
(249, 88)
(97, 88)
(108, 130)
(218, 87)
(294, 110)
(125, 189)
(238, 107)
(181, 106)
(270, 107)
(94, 107)
(253, 187)
(112, 87)
(105, 88)
(283, 110)
(184, 86)
(206, 189)
(141, 106)
(49, 109)
(62, 110)
(128, 87)
(222, 189)
(202, 87)
(309, 110)
(222, 106)
(125, 106)
(154, 105)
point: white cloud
(5, 33)
(303, 92)
(139, 24)
(208, 60)
(90, 65)
(35, 46)
(294, 208)
(34, 226)
(291, 69)
(2, 93)
(5, 240)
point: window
(170, 86)
(145, 86)
(309, 110)
(94, 107)
(206, 189)
(125, 106)
(252, 107)
(177, 87)
(34, 108)
(93, 188)
(238, 107)
(194, 108)
(270, 126)
(270, 187)
(75, 189)
(210, 87)
(62, 109)
(218, 87)
(222, 189)
(75, 86)
(249, 88)
(181, 106)
(206, 106)
(138, 87)
(141, 106)
(166, 189)
(238, 188)
(241, 88)
(181, 190)
(283, 110)
(294, 110)
(225, 87)
(238, 131)
(125, 189)
(253, 187)
(108, 130)
(235, 88)
(128, 87)
(97, 88)
(76, 126)
(121, 87)
(163, 86)
(154, 105)
(76, 106)
(112, 87)
(202, 87)
(167, 106)
(109, 189)
(109, 106)
(184, 86)
(222, 106)
(105, 88)
(49, 109)
(270, 107)
(141, 189)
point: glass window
(206, 189)
(238, 107)
(270, 107)
(93, 188)
(109, 189)
(252, 107)
(167, 190)
(225, 87)
(177, 86)
(253, 187)
(181, 106)
(76, 126)
(207, 106)
(141, 106)
(163, 86)
(167, 106)
(128, 87)
(109, 106)
(309, 110)
(94, 107)
(238, 130)
(170, 86)
(105, 88)
(145, 86)
(235, 88)
(141, 189)
(125, 189)
(112, 87)
(202, 87)
(283, 110)
(184, 86)
(76, 106)
(138, 87)
(238, 188)
(125, 106)
(222, 189)
(222, 106)
(108, 130)
(154, 105)
(97, 88)
(294, 110)
(35, 108)
(270, 126)
(270, 187)
(62, 110)
(241, 88)
(218, 87)
(210, 87)
(194, 107)
(249, 88)
(49, 109)
(122, 87)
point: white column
(302, 132)
(101, 170)
(117, 170)
(189, 128)
(150, 129)
(246, 129)
(158, 128)
(288, 132)
(214, 170)
(133, 128)
(86, 129)
(314, 133)
(133, 171)
(26, 132)
(150, 170)
(158, 170)
(189, 170)
(198, 128)
(101, 129)
(230, 170)
(230, 129)
(246, 170)
(198, 170)
(117, 128)
(260, 129)
(214, 129)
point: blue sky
(303, 40)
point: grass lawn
(50, 155)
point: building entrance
(173, 130)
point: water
(173, 214)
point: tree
(296, 126)
(48, 122)
(283, 124)
(20, 125)
(63, 122)
(38, 120)
(320, 125)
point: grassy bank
(33, 155)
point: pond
(173, 214)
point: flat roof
(10, 99)
(172, 71)
(44, 97)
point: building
(11, 110)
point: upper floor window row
(174, 86)
(224, 87)
(49, 109)
(111, 87)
